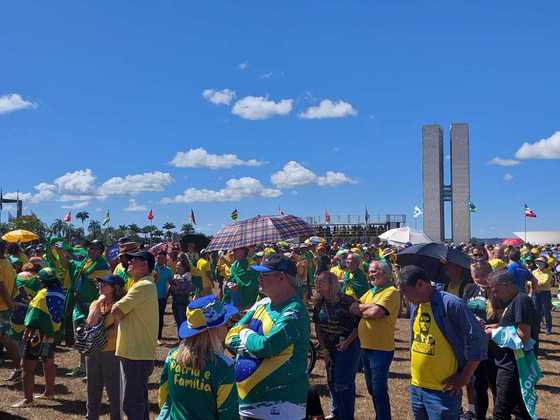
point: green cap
(47, 274)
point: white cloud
(14, 102)
(294, 174)
(219, 97)
(548, 148)
(508, 177)
(76, 183)
(77, 205)
(134, 206)
(329, 109)
(266, 76)
(134, 184)
(242, 66)
(503, 162)
(260, 108)
(200, 158)
(234, 190)
(332, 179)
(44, 192)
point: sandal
(23, 403)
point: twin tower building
(436, 192)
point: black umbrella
(431, 257)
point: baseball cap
(145, 255)
(278, 263)
(111, 280)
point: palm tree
(168, 227)
(58, 227)
(134, 228)
(187, 229)
(94, 228)
(123, 227)
(83, 216)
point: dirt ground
(71, 393)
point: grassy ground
(70, 402)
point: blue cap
(276, 263)
(112, 280)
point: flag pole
(525, 227)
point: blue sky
(98, 98)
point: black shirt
(520, 310)
(334, 320)
(476, 299)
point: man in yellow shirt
(7, 305)
(137, 315)
(378, 309)
(543, 296)
(205, 269)
(339, 267)
(447, 345)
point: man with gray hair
(519, 312)
(378, 309)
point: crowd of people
(245, 317)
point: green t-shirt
(271, 343)
(247, 281)
(355, 284)
(186, 393)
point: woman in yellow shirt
(103, 370)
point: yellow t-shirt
(338, 272)
(8, 279)
(379, 334)
(497, 264)
(204, 267)
(432, 359)
(544, 280)
(137, 331)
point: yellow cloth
(223, 267)
(302, 270)
(432, 359)
(8, 280)
(497, 264)
(172, 264)
(205, 271)
(338, 272)
(544, 280)
(379, 334)
(137, 331)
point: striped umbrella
(259, 230)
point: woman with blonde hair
(102, 367)
(337, 332)
(197, 380)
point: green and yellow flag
(46, 310)
(234, 214)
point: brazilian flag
(46, 311)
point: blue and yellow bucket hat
(203, 313)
